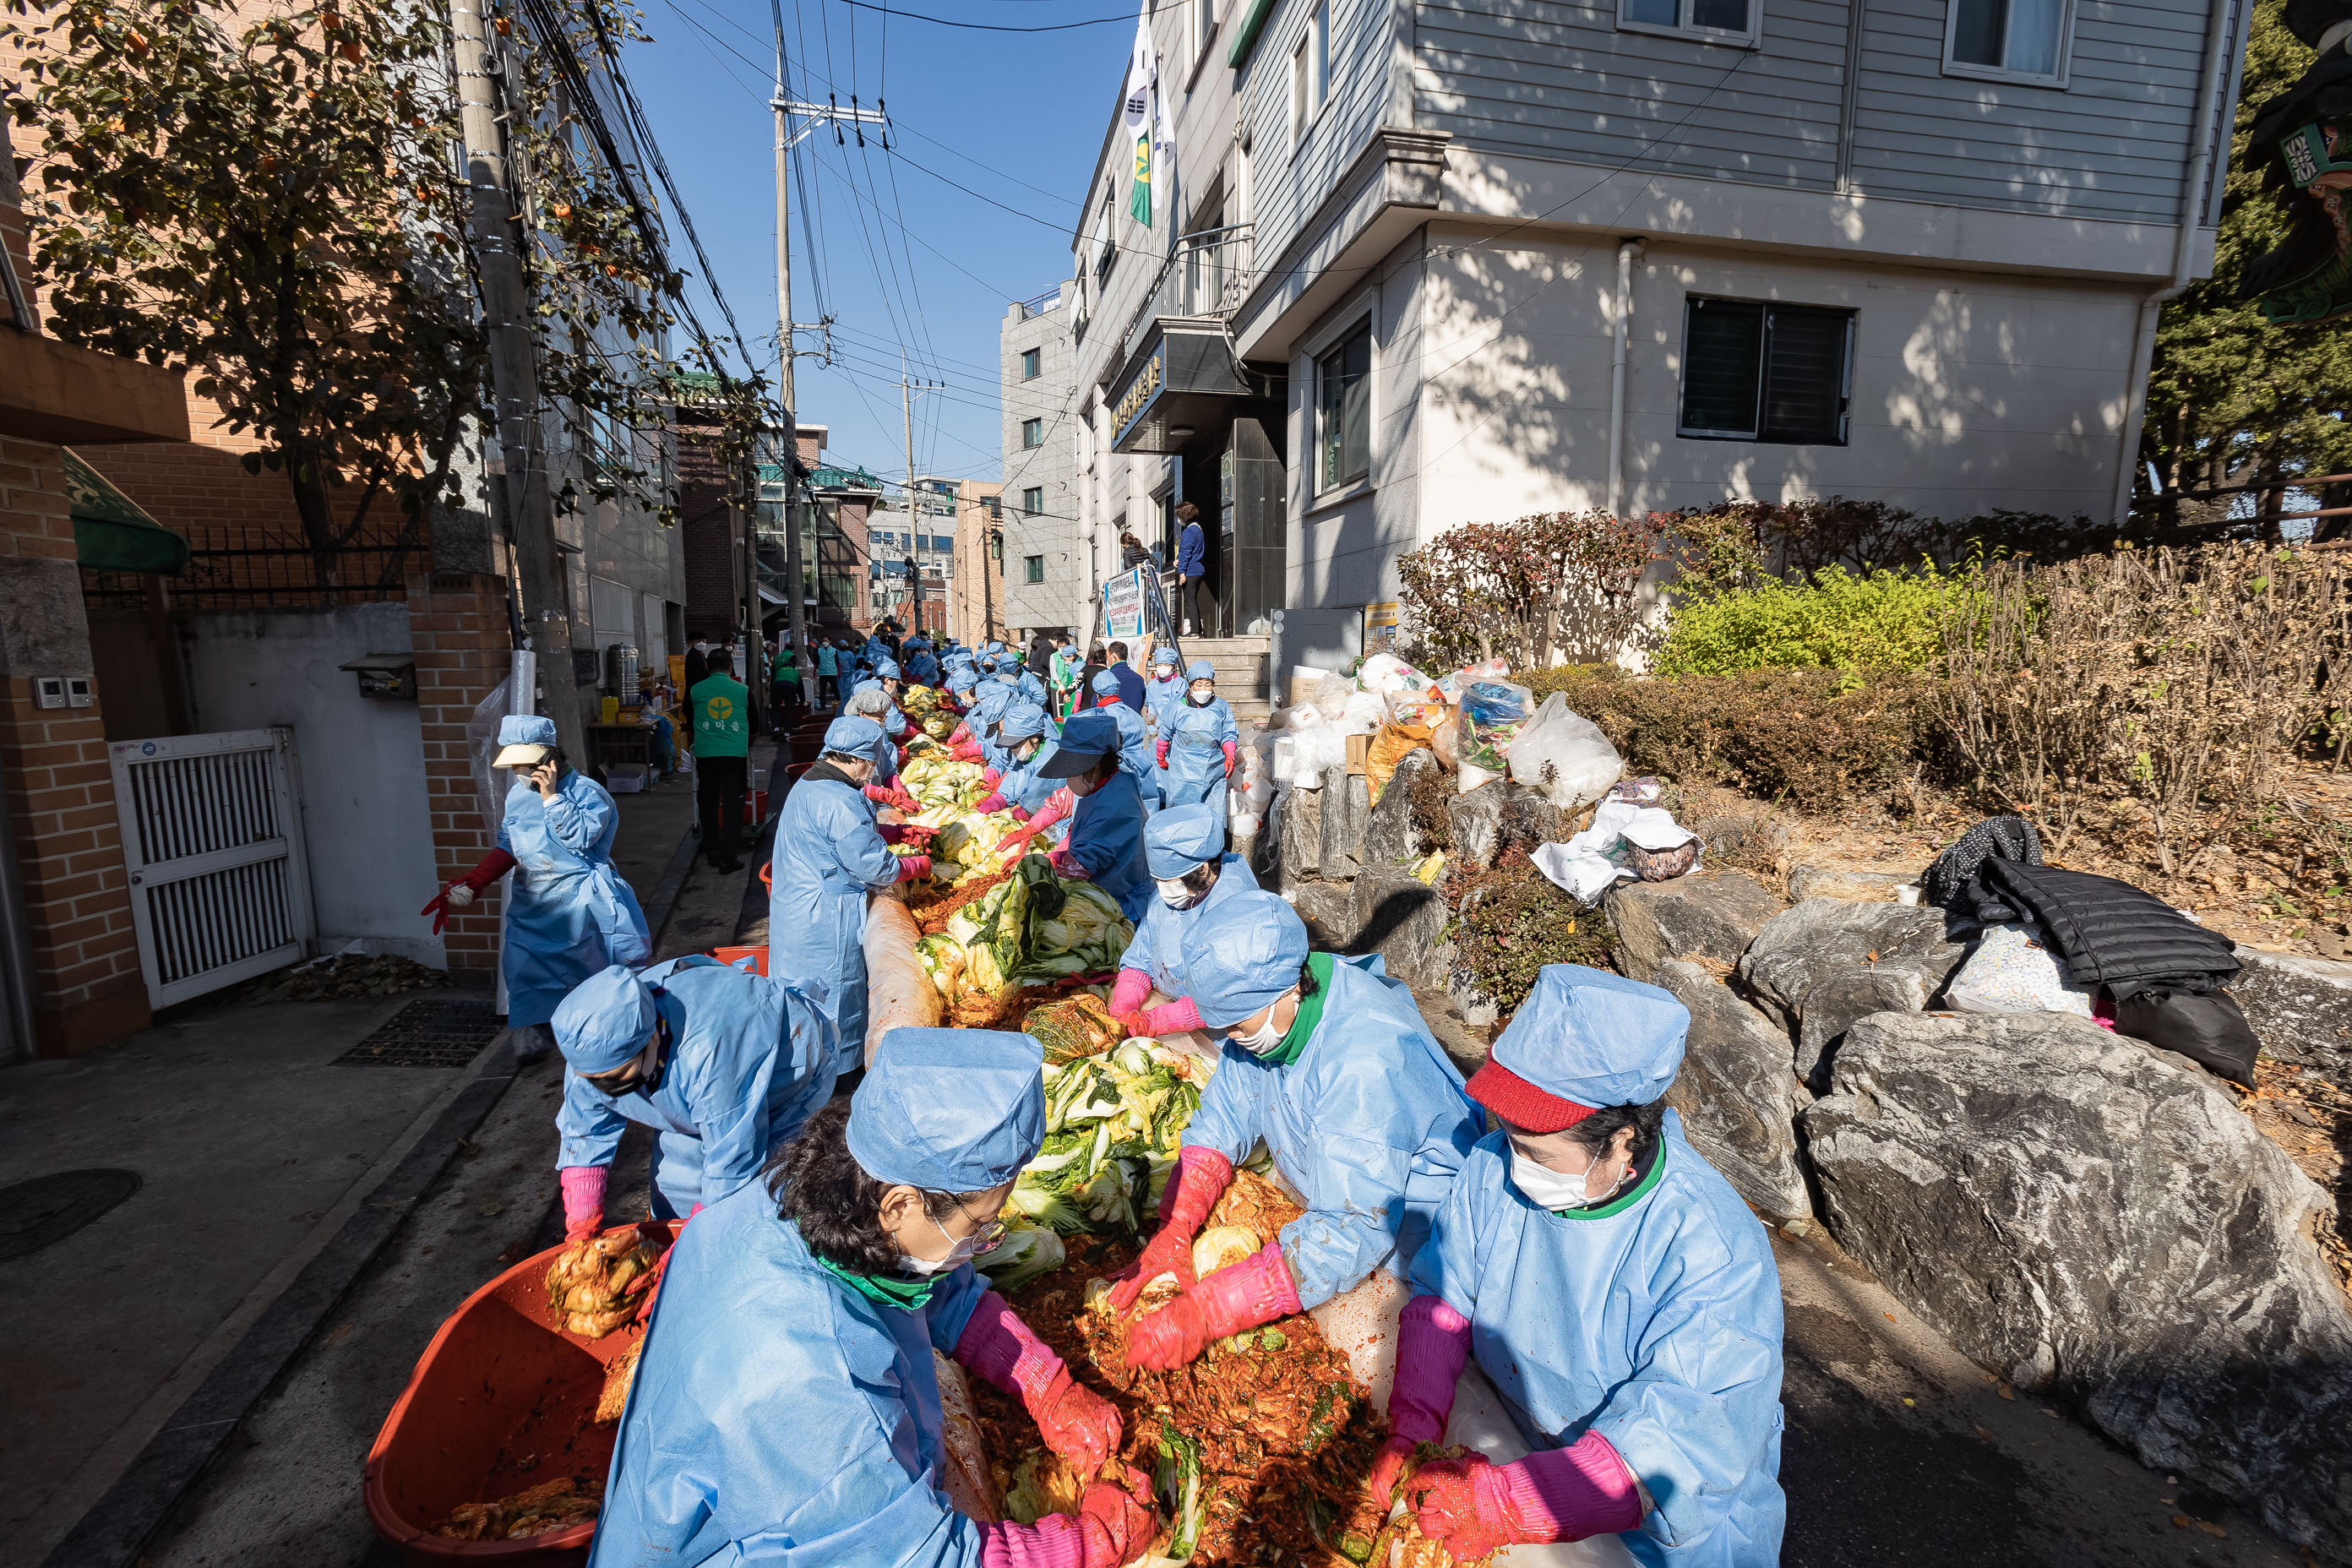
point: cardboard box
(625, 778)
(1360, 754)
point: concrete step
(1240, 666)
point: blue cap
(1090, 733)
(526, 730)
(1021, 721)
(962, 678)
(1590, 1039)
(1105, 682)
(949, 1110)
(888, 670)
(1201, 669)
(1166, 655)
(1180, 837)
(852, 736)
(604, 1021)
(1242, 953)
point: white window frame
(1752, 38)
(1205, 32)
(2002, 73)
(1310, 76)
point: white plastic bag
(1565, 755)
(1331, 693)
(1363, 714)
(2013, 972)
(1386, 675)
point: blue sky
(900, 257)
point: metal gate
(212, 836)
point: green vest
(722, 717)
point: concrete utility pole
(514, 381)
(803, 659)
(915, 550)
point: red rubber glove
(488, 870)
(1068, 867)
(967, 752)
(906, 797)
(1171, 1019)
(913, 868)
(1257, 1289)
(1160, 752)
(988, 803)
(1202, 1176)
(880, 794)
(1232, 751)
(891, 832)
(1472, 1508)
(1076, 1423)
(1130, 990)
(1112, 1527)
(583, 1200)
(1433, 1343)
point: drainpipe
(1628, 252)
(2200, 161)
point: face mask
(959, 1252)
(1205, 694)
(1545, 1187)
(1177, 896)
(1022, 753)
(1267, 1037)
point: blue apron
(569, 914)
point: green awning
(111, 532)
(1245, 35)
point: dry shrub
(1510, 923)
(2163, 684)
(1780, 734)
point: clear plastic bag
(1493, 714)
(1565, 755)
(2012, 970)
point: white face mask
(1545, 1187)
(959, 1253)
(1267, 1037)
(1177, 896)
(1203, 691)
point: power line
(889, 11)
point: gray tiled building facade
(1049, 579)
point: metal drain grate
(48, 1209)
(438, 1031)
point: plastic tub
(753, 959)
(502, 1400)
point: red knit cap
(1521, 1103)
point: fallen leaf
(492, 1208)
(2215, 1531)
(1982, 1433)
(1890, 1317)
(2050, 1413)
(1909, 1401)
(2004, 1391)
(2181, 1521)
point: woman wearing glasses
(787, 1408)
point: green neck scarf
(1630, 1197)
(1310, 1014)
(906, 1295)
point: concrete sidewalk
(252, 1145)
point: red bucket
(503, 1399)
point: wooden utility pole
(514, 382)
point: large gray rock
(1347, 802)
(1475, 822)
(1389, 836)
(1530, 818)
(1403, 920)
(1817, 967)
(1302, 836)
(2301, 1009)
(1738, 1100)
(1711, 914)
(1836, 882)
(2089, 1219)
(1330, 911)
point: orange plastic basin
(502, 1399)
(736, 957)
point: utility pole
(915, 552)
(514, 380)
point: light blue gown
(1158, 948)
(779, 1418)
(1655, 1321)
(828, 856)
(1106, 838)
(569, 914)
(1162, 700)
(1367, 1126)
(749, 1060)
(1196, 755)
(1135, 754)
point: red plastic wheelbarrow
(502, 1399)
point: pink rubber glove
(1067, 866)
(1432, 1341)
(1109, 1527)
(969, 752)
(584, 1199)
(1257, 1289)
(992, 777)
(1128, 992)
(1201, 1177)
(962, 733)
(1472, 1508)
(913, 868)
(881, 794)
(1232, 751)
(1162, 753)
(1075, 1422)
(1173, 1019)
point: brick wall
(60, 791)
(464, 645)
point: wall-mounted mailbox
(391, 676)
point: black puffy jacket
(2111, 933)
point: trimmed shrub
(1858, 624)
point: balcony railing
(1050, 299)
(1206, 275)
